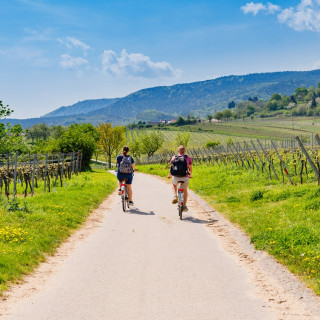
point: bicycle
(181, 204)
(124, 196)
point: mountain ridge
(200, 98)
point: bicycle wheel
(180, 206)
(180, 211)
(124, 202)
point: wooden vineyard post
(305, 152)
(45, 173)
(15, 176)
(317, 139)
(251, 155)
(80, 162)
(62, 172)
(244, 154)
(57, 171)
(77, 163)
(281, 161)
(257, 152)
(73, 162)
(270, 163)
(33, 173)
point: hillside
(200, 98)
(81, 107)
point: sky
(55, 53)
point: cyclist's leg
(185, 189)
(174, 185)
(129, 186)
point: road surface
(147, 264)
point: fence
(29, 170)
(296, 159)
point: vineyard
(293, 160)
(22, 174)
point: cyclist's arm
(190, 170)
(134, 167)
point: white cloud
(273, 8)
(136, 65)
(68, 62)
(72, 42)
(253, 8)
(306, 16)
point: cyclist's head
(182, 149)
(125, 150)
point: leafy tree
(135, 148)
(250, 110)
(231, 105)
(38, 131)
(182, 138)
(11, 139)
(111, 139)
(211, 144)
(300, 93)
(151, 142)
(57, 131)
(313, 103)
(209, 117)
(276, 97)
(5, 111)
(79, 137)
(227, 114)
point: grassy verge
(283, 220)
(43, 222)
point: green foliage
(256, 195)
(150, 143)
(211, 144)
(5, 111)
(182, 138)
(79, 137)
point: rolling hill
(200, 98)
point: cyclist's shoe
(185, 209)
(130, 203)
(119, 192)
(175, 200)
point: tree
(38, 131)
(151, 142)
(275, 97)
(79, 137)
(250, 110)
(209, 117)
(111, 139)
(231, 105)
(313, 103)
(227, 114)
(5, 111)
(182, 138)
(211, 144)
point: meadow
(32, 228)
(282, 219)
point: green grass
(44, 221)
(283, 220)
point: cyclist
(126, 167)
(180, 170)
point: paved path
(145, 264)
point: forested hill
(200, 98)
(81, 107)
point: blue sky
(56, 53)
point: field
(237, 130)
(280, 219)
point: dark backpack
(125, 165)
(179, 166)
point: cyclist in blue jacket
(126, 167)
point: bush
(256, 195)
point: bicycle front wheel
(124, 202)
(180, 211)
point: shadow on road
(137, 211)
(200, 221)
